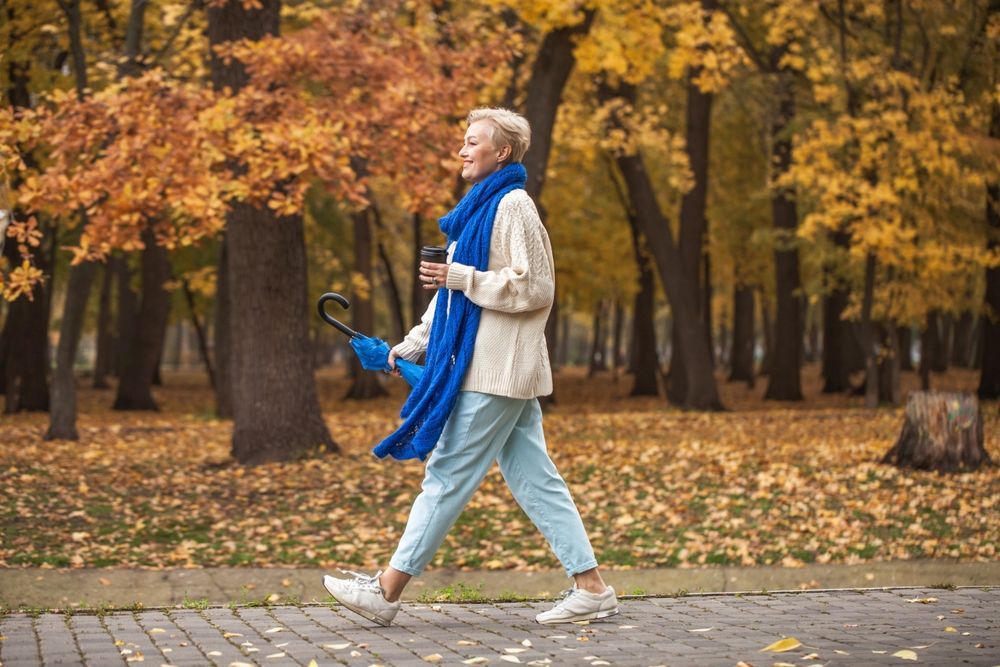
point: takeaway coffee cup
(434, 254)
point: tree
(276, 412)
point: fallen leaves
(905, 654)
(732, 488)
(782, 645)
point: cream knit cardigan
(516, 293)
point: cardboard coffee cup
(434, 254)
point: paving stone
(840, 627)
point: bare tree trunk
(784, 374)
(104, 333)
(989, 378)
(127, 311)
(702, 393)
(888, 366)
(25, 344)
(836, 336)
(549, 73)
(199, 329)
(598, 342)
(925, 355)
(62, 414)
(276, 414)
(768, 328)
(366, 384)
(644, 361)
(741, 363)
(223, 336)
(395, 297)
(905, 336)
(868, 335)
(143, 350)
(961, 340)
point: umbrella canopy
(372, 352)
(374, 356)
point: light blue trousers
(484, 428)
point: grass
(762, 484)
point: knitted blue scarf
(456, 321)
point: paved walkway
(834, 627)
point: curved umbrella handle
(321, 306)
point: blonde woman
(486, 364)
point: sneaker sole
(593, 616)
(358, 610)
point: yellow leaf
(433, 657)
(950, 629)
(782, 645)
(905, 654)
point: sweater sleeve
(414, 343)
(527, 282)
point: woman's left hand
(434, 275)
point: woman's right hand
(392, 363)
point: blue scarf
(455, 324)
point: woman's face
(480, 157)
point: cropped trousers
(481, 429)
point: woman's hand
(434, 275)
(392, 363)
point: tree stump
(942, 431)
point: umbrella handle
(321, 306)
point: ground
(763, 483)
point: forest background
(783, 208)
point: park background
(773, 222)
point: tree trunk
(276, 414)
(419, 297)
(784, 381)
(989, 378)
(925, 354)
(199, 329)
(25, 348)
(366, 384)
(563, 357)
(222, 334)
(836, 337)
(549, 73)
(702, 393)
(142, 352)
(127, 309)
(888, 366)
(105, 333)
(645, 365)
(937, 340)
(961, 340)
(62, 414)
(616, 338)
(395, 297)
(768, 327)
(598, 342)
(868, 335)
(905, 336)
(741, 362)
(942, 431)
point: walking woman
(486, 364)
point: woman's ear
(504, 154)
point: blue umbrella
(372, 352)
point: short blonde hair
(507, 128)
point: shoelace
(364, 582)
(567, 594)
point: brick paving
(838, 627)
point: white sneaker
(581, 605)
(363, 595)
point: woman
(484, 338)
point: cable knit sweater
(516, 293)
